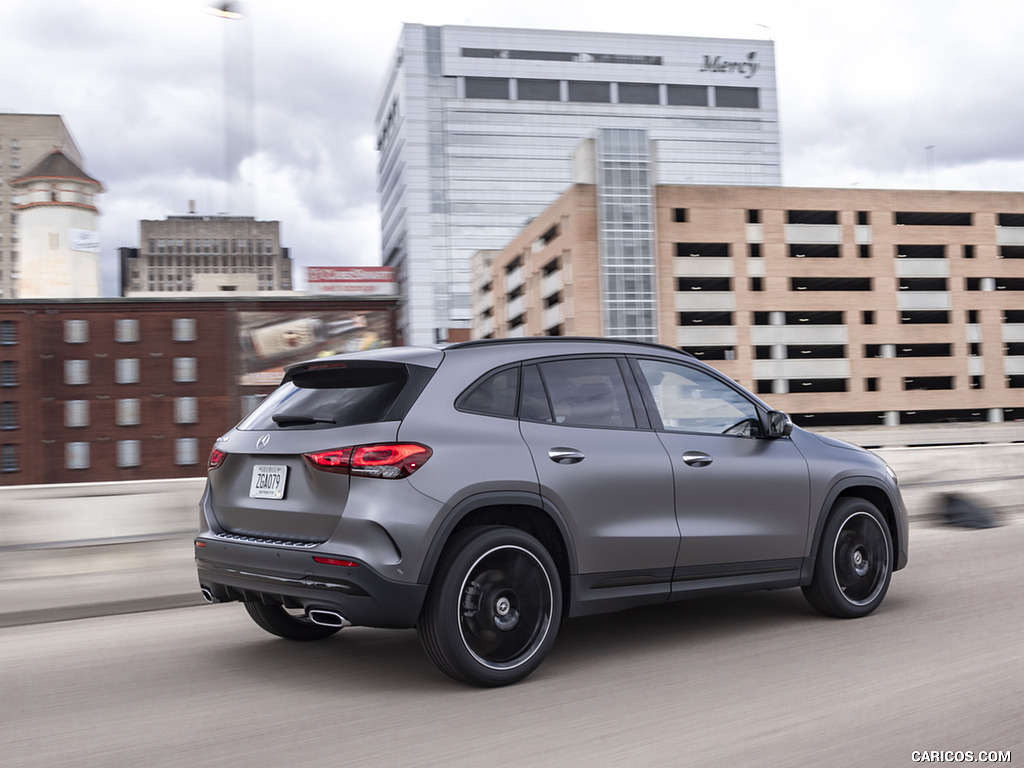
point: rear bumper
(234, 571)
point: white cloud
(863, 90)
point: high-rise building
(476, 129)
(25, 140)
(206, 254)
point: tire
(494, 607)
(276, 620)
(854, 565)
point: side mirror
(779, 424)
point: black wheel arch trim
(467, 506)
(837, 490)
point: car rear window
(331, 397)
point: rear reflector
(335, 561)
(389, 461)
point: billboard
(351, 281)
(270, 341)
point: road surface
(749, 680)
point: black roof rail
(563, 339)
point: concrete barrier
(42, 516)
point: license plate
(268, 481)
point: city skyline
(863, 95)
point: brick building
(841, 306)
(114, 389)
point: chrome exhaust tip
(328, 618)
(207, 595)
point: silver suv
(484, 491)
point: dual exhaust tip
(322, 616)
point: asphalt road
(750, 680)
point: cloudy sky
(864, 88)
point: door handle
(697, 458)
(565, 455)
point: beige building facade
(840, 306)
(200, 254)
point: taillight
(217, 457)
(389, 461)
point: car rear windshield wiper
(297, 419)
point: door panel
(612, 481)
(740, 497)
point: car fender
(467, 506)
(837, 490)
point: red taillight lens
(216, 458)
(389, 461)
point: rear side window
(494, 396)
(332, 397)
(583, 392)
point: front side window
(690, 400)
(583, 392)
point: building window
(186, 451)
(830, 284)
(742, 98)
(126, 370)
(9, 458)
(76, 413)
(687, 95)
(932, 219)
(486, 88)
(76, 455)
(127, 412)
(129, 453)
(126, 330)
(867, 317)
(639, 93)
(930, 317)
(76, 372)
(8, 415)
(812, 217)
(679, 214)
(8, 332)
(186, 410)
(927, 382)
(539, 90)
(76, 331)
(717, 250)
(591, 91)
(184, 369)
(9, 373)
(183, 329)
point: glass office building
(476, 130)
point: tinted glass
(330, 398)
(689, 400)
(494, 396)
(587, 392)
